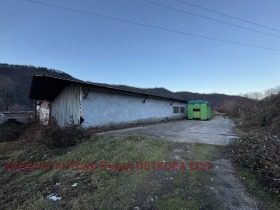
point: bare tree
(272, 91)
(254, 95)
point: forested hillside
(233, 105)
(16, 81)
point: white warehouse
(94, 105)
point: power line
(151, 26)
(236, 18)
(208, 18)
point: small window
(182, 109)
(175, 109)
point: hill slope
(221, 102)
(16, 80)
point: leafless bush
(11, 130)
(259, 150)
(261, 154)
(54, 136)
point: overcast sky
(105, 50)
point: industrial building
(94, 105)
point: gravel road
(217, 131)
(224, 183)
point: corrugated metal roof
(47, 88)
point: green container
(199, 110)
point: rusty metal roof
(45, 87)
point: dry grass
(105, 189)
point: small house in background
(199, 110)
(93, 105)
(20, 116)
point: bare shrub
(259, 150)
(11, 130)
(261, 154)
(54, 136)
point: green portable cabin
(199, 110)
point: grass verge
(268, 200)
(96, 189)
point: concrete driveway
(218, 131)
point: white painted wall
(66, 106)
(102, 109)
